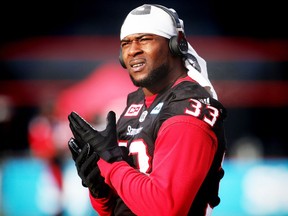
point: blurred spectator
(40, 133)
(41, 136)
(6, 123)
(248, 148)
(5, 109)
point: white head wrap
(154, 20)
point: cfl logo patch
(133, 110)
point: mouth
(137, 64)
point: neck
(163, 84)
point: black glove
(75, 147)
(86, 164)
(104, 142)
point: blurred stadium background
(59, 56)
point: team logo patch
(157, 109)
(133, 110)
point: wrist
(100, 192)
(112, 155)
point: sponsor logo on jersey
(133, 110)
(143, 116)
(205, 100)
(133, 131)
(157, 109)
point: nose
(135, 48)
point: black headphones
(178, 44)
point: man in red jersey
(164, 155)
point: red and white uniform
(176, 139)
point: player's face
(146, 58)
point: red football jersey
(177, 143)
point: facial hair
(153, 77)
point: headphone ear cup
(173, 45)
(178, 45)
(121, 59)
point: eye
(124, 43)
(145, 39)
